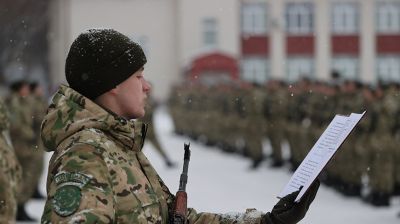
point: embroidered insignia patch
(68, 195)
(76, 179)
(67, 200)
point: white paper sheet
(320, 154)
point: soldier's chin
(140, 114)
(135, 115)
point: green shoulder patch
(76, 179)
(66, 200)
(67, 197)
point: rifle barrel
(184, 175)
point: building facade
(286, 39)
(358, 38)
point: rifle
(179, 215)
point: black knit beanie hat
(100, 59)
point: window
(344, 18)
(254, 70)
(388, 68)
(388, 17)
(254, 18)
(299, 67)
(299, 18)
(346, 66)
(210, 34)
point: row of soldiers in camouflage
(21, 154)
(238, 118)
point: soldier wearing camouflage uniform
(23, 139)
(151, 135)
(382, 149)
(98, 172)
(349, 173)
(10, 171)
(396, 133)
(292, 124)
(297, 122)
(276, 110)
(226, 132)
(254, 98)
(38, 107)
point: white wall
(323, 39)
(173, 29)
(58, 39)
(191, 14)
(367, 38)
(138, 19)
(277, 36)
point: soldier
(293, 120)
(10, 171)
(276, 110)
(297, 122)
(23, 139)
(226, 123)
(38, 106)
(151, 135)
(396, 133)
(349, 173)
(98, 172)
(175, 108)
(382, 149)
(253, 99)
(365, 135)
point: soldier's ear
(111, 92)
(114, 91)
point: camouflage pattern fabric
(38, 108)
(23, 139)
(98, 173)
(276, 113)
(253, 100)
(10, 171)
(382, 147)
(151, 134)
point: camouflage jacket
(98, 173)
(10, 171)
(38, 107)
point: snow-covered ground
(221, 183)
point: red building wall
(345, 44)
(300, 45)
(214, 62)
(255, 45)
(388, 44)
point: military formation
(21, 152)
(237, 118)
(240, 117)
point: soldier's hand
(286, 211)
